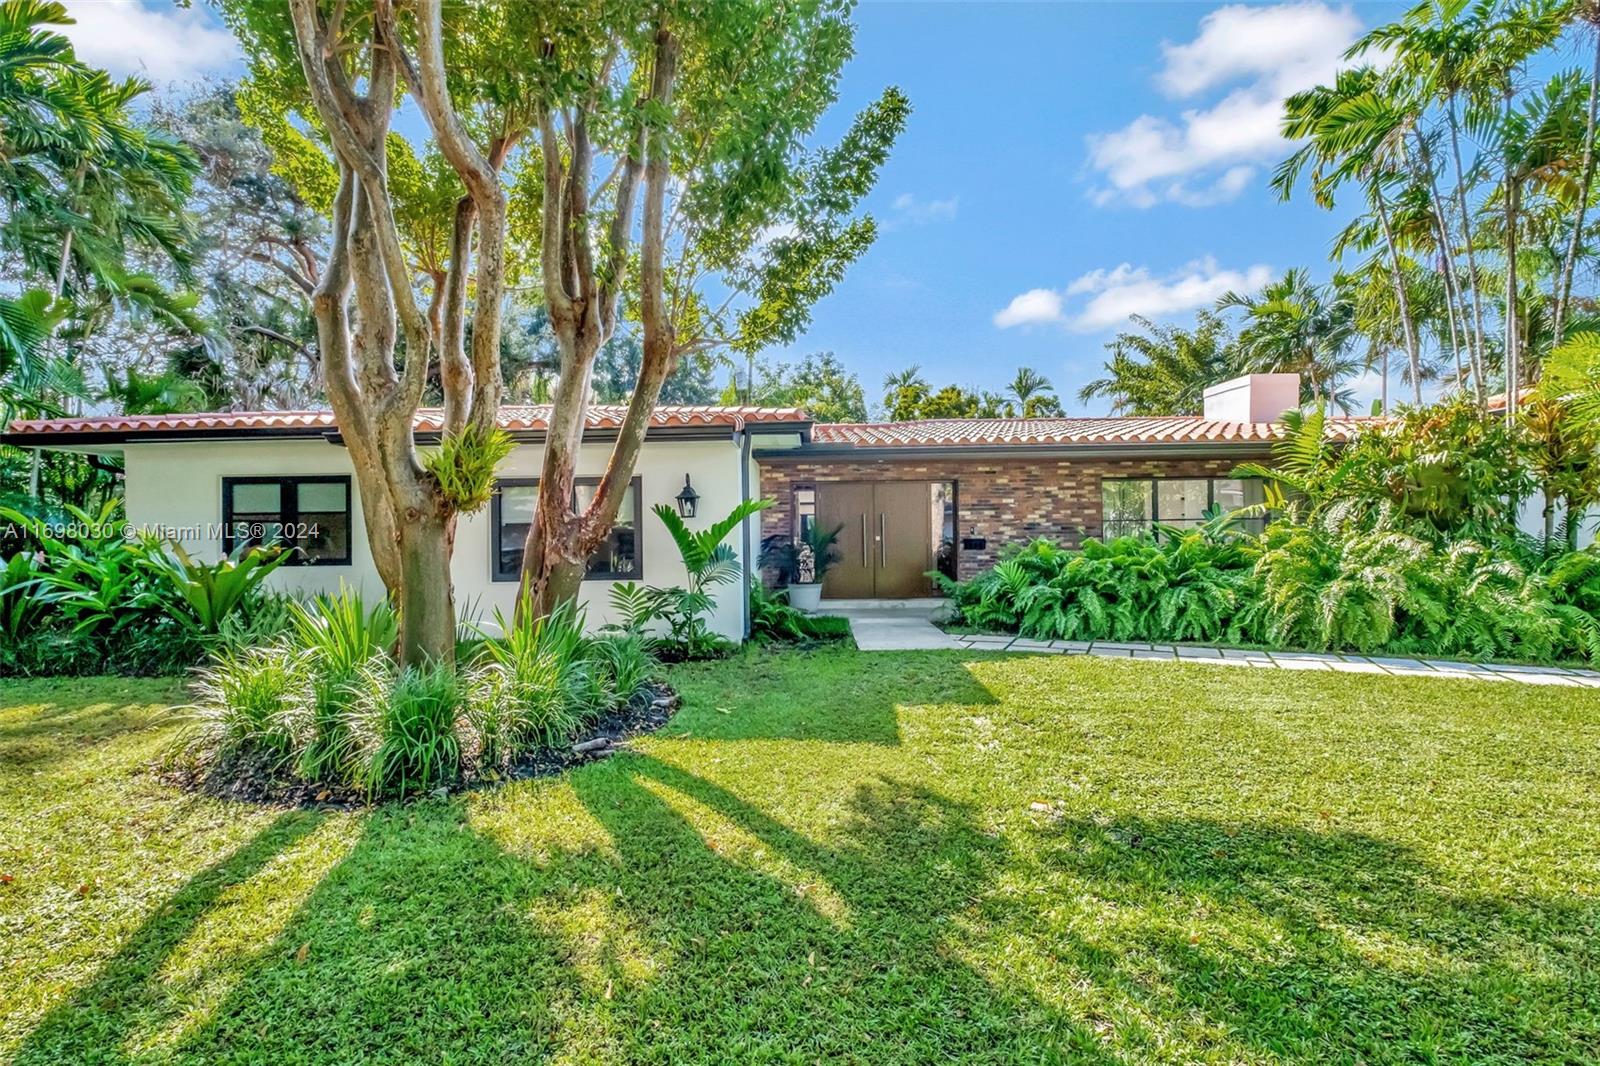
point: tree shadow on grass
(718, 936)
(38, 733)
(825, 695)
(1319, 946)
(127, 991)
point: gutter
(745, 570)
(68, 439)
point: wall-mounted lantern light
(687, 499)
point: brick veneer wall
(1006, 501)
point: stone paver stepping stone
(1154, 653)
(1528, 677)
(1075, 647)
(1348, 665)
(1198, 653)
(1114, 645)
(1517, 668)
(1245, 653)
(1414, 665)
(1029, 644)
(1303, 664)
(1107, 651)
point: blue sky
(1064, 165)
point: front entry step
(920, 605)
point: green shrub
(409, 718)
(538, 688)
(1326, 584)
(204, 594)
(246, 703)
(340, 637)
(623, 664)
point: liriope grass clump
(325, 707)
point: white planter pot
(806, 597)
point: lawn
(840, 856)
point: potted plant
(801, 564)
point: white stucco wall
(179, 486)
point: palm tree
(1352, 130)
(908, 378)
(1033, 392)
(31, 380)
(1294, 326)
(84, 185)
(1588, 12)
(1164, 369)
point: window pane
(942, 524)
(324, 535)
(516, 515)
(1182, 502)
(618, 554)
(1229, 492)
(249, 531)
(257, 498)
(320, 496)
(1126, 506)
(1236, 493)
(805, 511)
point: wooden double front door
(885, 538)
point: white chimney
(1253, 398)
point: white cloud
(1293, 45)
(1032, 308)
(162, 44)
(1128, 290)
(1206, 154)
(912, 210)
(1115, 294)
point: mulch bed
(253, 781)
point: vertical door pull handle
(883, 540)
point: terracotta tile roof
(525, 418)
(976, 432)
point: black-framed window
(619, 558)
(309, 513)
(1131, 506)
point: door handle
(883, 540)
(863, 538)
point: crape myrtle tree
(636, 158)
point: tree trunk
(1413, 355)
(582, 304)
(1575, 240)
(1513, 334)
(1454, 301)
(1549, 516)
(427, 600)
(1472, 258)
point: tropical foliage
(87, 597)
(326, 705)
(1403, 540)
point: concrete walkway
(907, 625)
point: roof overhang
(110, 442)
(979, 452)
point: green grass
(843, 857)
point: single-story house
(910, 496)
